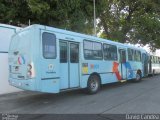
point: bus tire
(93, 84)
(138, 76)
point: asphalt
(117, 98)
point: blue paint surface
(130, 71)
(62, 75)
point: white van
(6, 32)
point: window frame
(116, 52)
(157, 59)
(152, 59)
(55, 46)
(132, 53)
(135, 52)
(92, 50)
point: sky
(146, 47)
(156, 53)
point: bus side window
(130, 54)
(92, 50)
(154, 59)
(157, 60)
(151, 59)
(123, 57)
(110, 52)
(137, 55)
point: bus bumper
(23, 84)
(50, 86)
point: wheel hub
(94, 85)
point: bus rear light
(29, 66)
(30, 70)
(29, 74)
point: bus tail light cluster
(30, 70)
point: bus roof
(87, 37)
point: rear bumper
(48, 86)
(23, 84)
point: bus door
(145, 64)
(48, 66)
(69, 64)
(122, 62)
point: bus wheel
(93, 84)
(138, 77)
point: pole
(29, 22)
(94, 18)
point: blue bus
(52, 60)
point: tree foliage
(134, 21)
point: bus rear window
(49, 45)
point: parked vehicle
(52, 60)
(6, 32)
(154, 65)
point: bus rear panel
(21, 63)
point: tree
(15, 12)
(75, 15)
(135, 21)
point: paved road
(143, 97)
